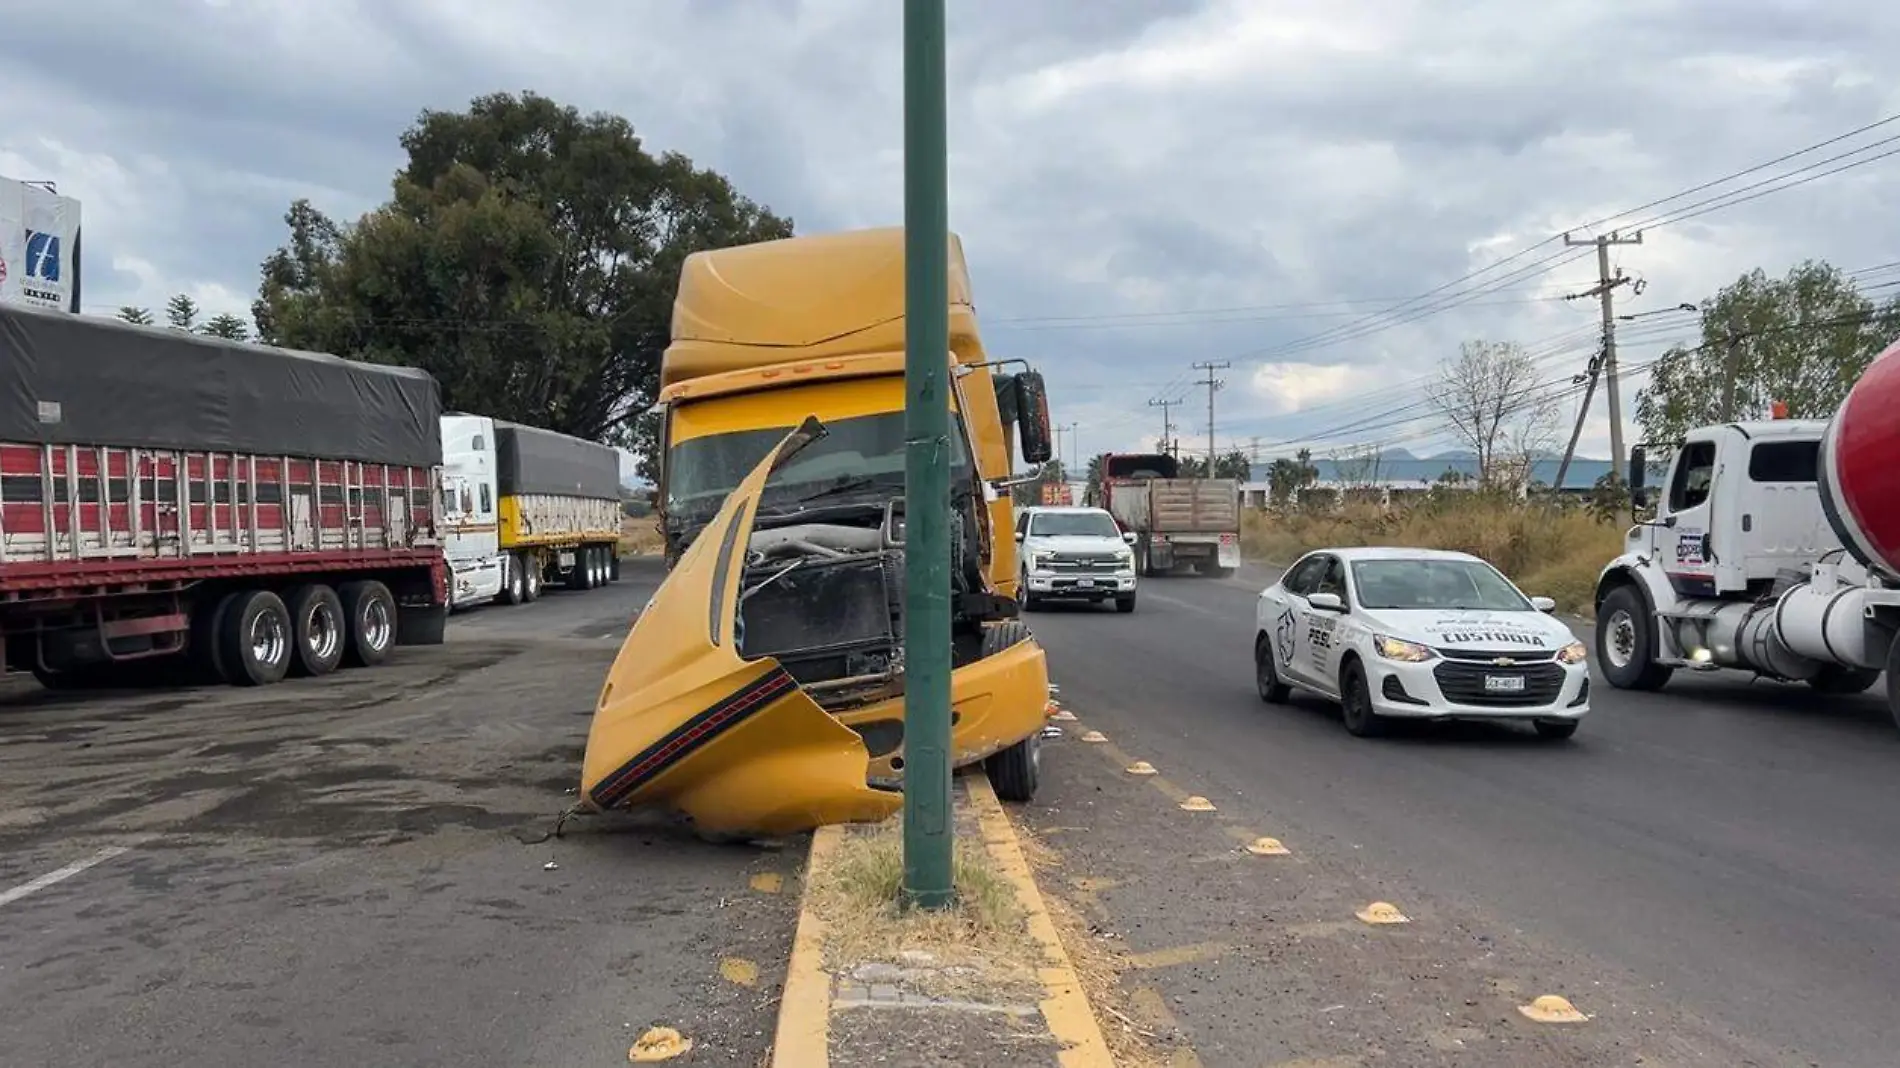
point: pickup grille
(1082, 562)
(1462, 682)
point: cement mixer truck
(1775, 549)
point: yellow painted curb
(1064, 1005)
(804, 1009)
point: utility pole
(929, 881)
(1213, 386)
(1067, 458)
(1605, 290)
(1589, 377)
(1168, 444)
(1732, 365)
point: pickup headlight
(1125, 559)
(1398, 649)
(1040, 561)
(1574, 653)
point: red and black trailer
(252, 511)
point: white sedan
(1418, 634)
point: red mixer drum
(1860, 467)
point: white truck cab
(1743, 567)
(471, 537)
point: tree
(1235, 465)
(1286, 477)
(528, 259)
(227, 326)
(1490, 397)
(135, 316)
(1191, 467)
(1358, 466)
(1802, 339)
(1094, 490)
(182, 312)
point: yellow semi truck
(782, 396)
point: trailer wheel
(256, 636)
(596, 568)
(316, 613)
(530, 577)
(581, 576)
(206, 651)
(1626, 643)
(371, 613)
(613, 564)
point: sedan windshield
(1409, 585)
(859, 455)
(1084, 524)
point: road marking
(1552, 1008)
(1178, 955)
(739, 971)
(767, 882)
(1196, 803)
(60, 875)
(1094, 736)
(1267, 847)
(1065, 1006)
(1152, 1007)
(1381, 912)
(1141, 767)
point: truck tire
(370, 613)
(1838, 680)
(1893, 681)
(1014, 772)
(531, 578)
(580, 577)
(613, 564)
(256, 638)
(1029, 601)
(316, 615)
(206, 651)
(1125, 605)
(1626, 643)
(599, 556)
(514, 584)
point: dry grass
(640, 537)
(982, 938)
(1549, 550)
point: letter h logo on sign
(42, 256)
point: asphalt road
(1712, 871)
(343, 871)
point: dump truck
(178, 501)
(781, 497)
(1175, 520)
(1774, 549)
(523, 507)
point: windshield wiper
(835, 488)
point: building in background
(39, 247)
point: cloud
(1140, 185)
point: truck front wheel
(1626, 643)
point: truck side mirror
(1638, 475)
(1032, 418)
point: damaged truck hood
(686, 723)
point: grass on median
(1550, 550)
(983, 937)
(640, 537)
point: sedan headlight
(1574, 653)
(1399, 649)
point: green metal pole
(928, 837)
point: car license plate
(1085, 584)
(1503, 683)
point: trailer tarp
(70, 379)
(531, 460)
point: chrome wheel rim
(377, 625)
(323, 631)
(268, 640)
(1620, 650)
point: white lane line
(8, 897)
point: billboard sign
(39, 247)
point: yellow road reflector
(767, 882)
(1552, 1008)
(1062, 715)
(1382, 912)
(1094, 736)
(659, 1044)
(739, 971)
(1268, 847)
(1197, 803)
(1141, 767)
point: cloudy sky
(1141, 184)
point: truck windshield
(864, 454)
(1425, 585)
(1084, 524)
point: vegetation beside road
(1548, 549)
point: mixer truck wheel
(1626, 643)
(1838, 681)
